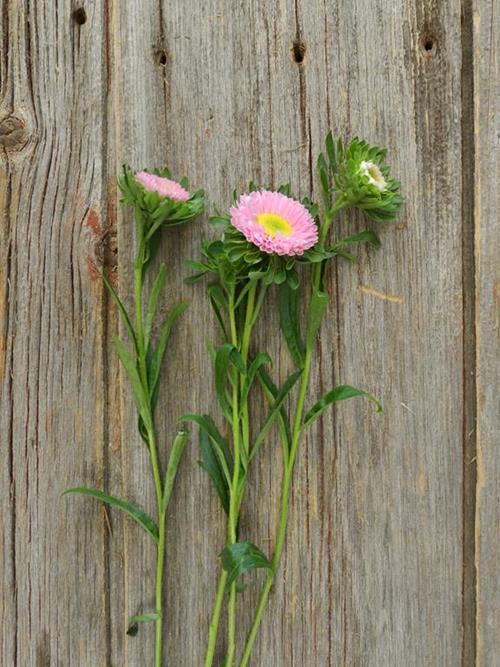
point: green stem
(153, 450)
(283, 520)
(214, 623)
(233, 505)
(241, 427)
(317, 271)
(160, 567)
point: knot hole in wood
(13, 133)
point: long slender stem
(241, 445)
(233, 505)
(160, 567)
(214, 623)
(283, 520)
(153, 452)
(290, 463)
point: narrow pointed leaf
(260, 360)
(271, 392)
(241, 557)
(289, 323)
(219, 304)
(331, 152)
(157, 357)
(367, 236)
(340, 393)
(178, 447)
(216, 459)
(122, 310)
(317, 307)
(274, 411)
(138, 515)
(226, 356)
(138, 391)
(153, 302)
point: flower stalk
(265, 238)
(158, 202)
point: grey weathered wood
(378, 560)
(487, 202)
(54, 391)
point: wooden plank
(374, 560)
(487, 201)
(54, 398)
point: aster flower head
(355, 175)
(275, 223)
(165, 187)
(263, 236)
(158, 200)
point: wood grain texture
(487, 176)
(379, 565)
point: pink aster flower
(274, 223)
(163, 186)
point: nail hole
(428, 43)
(80, 16)
(162, 57)
(298, 51)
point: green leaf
(340, 393)
(226, 356)
(138, 391)
(260, 360)
(219, 304)
(367, 236)
(331, 152)
(154, 366)
(216, 459)
(324, 180)
(173, 463)
(317, 307)
(274, 411)
(271, 392)
(289, 323)
(133, 624)
(143, 519)
(122, 310)
(153, 303)
(241, 557)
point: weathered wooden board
(378, 564)
(487, 204)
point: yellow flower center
(273, 224)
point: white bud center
(374, 175)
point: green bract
(356, 176)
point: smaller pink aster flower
(274, 223)
(163, 186)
